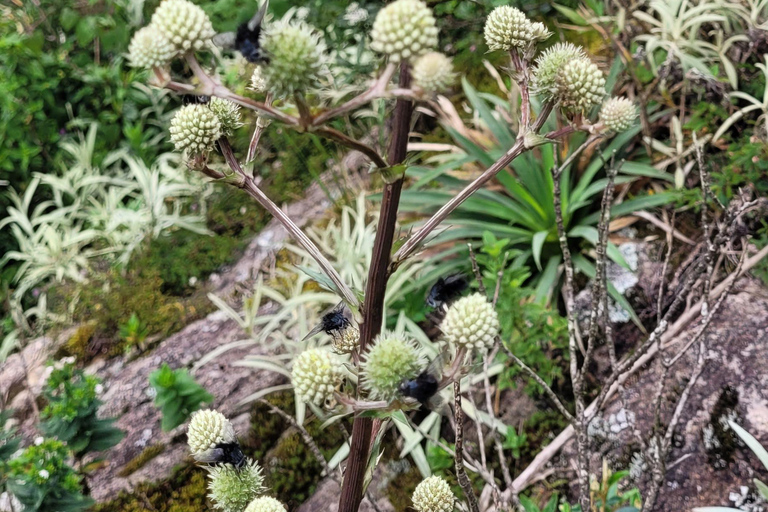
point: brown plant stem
(373, 305)
(461, 473)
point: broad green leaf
(537, 244)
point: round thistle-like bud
(540, 32)
(433, 72)
(618, 114)
(549, 64)
(345, 341)
(314, 376)
(508, 27)
(296, 56)
(206, 430)
(403, 30)
(580, 85)
(258, 84)
(228, 114)
(471, 322)
(194, 129)
(265, 504)
(390, 361)
(185, 24)
(232, 489)
(433, 494)
(149, 48)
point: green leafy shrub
(134, 331)
(178, 395)
(71, 413)
(9, 443)
(42, 481)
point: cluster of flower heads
(235, 482)
(196, 127)
(177, 27)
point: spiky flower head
(549, 64)
(194, 129)
(433, 72)
(265, 504)
(208, 428)
(618, 114)
(391, 360)
(345, 341)
(433, 494)
(314, 376)
(540, 31)
(258, 84)
(185, 24)
(150, 48)
(232, 489)
(508, 27)
(404, 30)
(228, 114)
(296, 56)
(471, 322)
(580, 84)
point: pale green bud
(314, 376)
(580, 85)
(404, 30)
(195, 129)
(228, 114)
(433, 494)
(549, 64)
(265, 504)
(433, 72)
(508, 27)
(296, 57)
(618, 114)
(149, 48)
(207, 429)
(185, 24)
(390, 361)
(231, 489)
(471, 322)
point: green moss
(78, 345)
(149, 453)
(185, 491)
(401, 487)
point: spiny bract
(232, 489)
(403, 30)
(296, 57)
(471, 322)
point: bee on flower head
(338, 324)
(246, 39)
(426, 385)
(212, 440)
(446, 290)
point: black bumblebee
(224, 453)
(334, 322)
(426, 385)
(446, 290)
(246, 39)
(192, 99)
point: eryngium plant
(405, 34)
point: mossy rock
(185, 491)
(146, 455)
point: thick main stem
(373, 305)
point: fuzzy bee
(426, 385)
(246, 38)
(223, 453)
(191, 99)
(333, 323)
(446, 290)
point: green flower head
(391, 360)
(232, 489)
(404, 30)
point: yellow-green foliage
(78, 345)
(146, 455)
